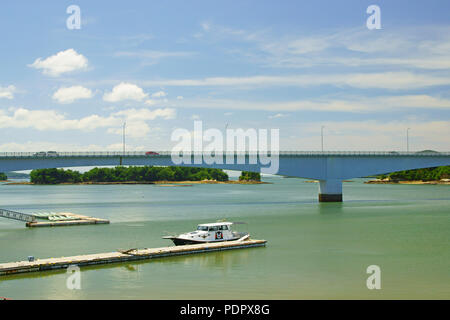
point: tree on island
(427, 174)
(127, 174)
(250, 176)
(3, 177)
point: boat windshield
(202, 228)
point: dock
(123, 256)
(45, 219)
(77, 219)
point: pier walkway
(37, 220)
(123, 256)
(9, 214)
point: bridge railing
(168, 153)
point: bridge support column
(330, 190)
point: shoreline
(162, 183)
(417, 182)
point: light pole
(321, 134)
(123, 137)
(407, 140)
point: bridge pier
(330, 190)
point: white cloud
(137, 39)
(206, 26)
(278, 115)
(417, 47)
(159, 94)
(150, 57)
(7, 92)
(136, 126)
(370, 135)
(150, 102)
(51, 120)
(62, 62)
(70, 94)
(360, 104)
(180, 97)
(137, 129)
(380, 80)
(146, 114)
(413, 47)
(125, 91)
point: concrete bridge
(330, 168)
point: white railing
(106, 154)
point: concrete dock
(123, 256)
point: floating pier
(74, 219)
(123, 256)
(51, 219)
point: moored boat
(209, 232)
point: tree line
(250, 176)
(3, 176)
(126, 174)
(427, 174)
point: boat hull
(182, 242)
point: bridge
(330, 168)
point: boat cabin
(216, 231)
(208, 232)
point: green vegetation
(428, 174)
(126, 174)
(3, 176)
(250, 176)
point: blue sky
(159, 65)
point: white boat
(209, 232)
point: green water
(314, 251)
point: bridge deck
(115, 154)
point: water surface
(314, 251)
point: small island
(437, 175)
(250, 176)
(139, 175)
(3, 176)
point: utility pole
(407, 140)
(321, 133)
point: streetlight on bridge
(407, 139)
(123, 137)
(321, 134)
